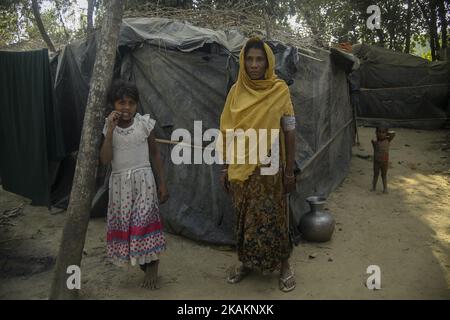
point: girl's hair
(381, 129)
(120, 89)
(255, 43)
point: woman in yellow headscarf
(260, 100)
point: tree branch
(58, 8)
(40, 25)
(90, 14)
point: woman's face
(256, 63)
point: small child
(134, 228)
(381, 156)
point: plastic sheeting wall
(177, 89)
(325, 133)
(401, 90)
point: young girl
(135, 232)
(381, 156)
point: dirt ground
(406, 233)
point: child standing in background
(381, 156)
(135, 232)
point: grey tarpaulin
(183, 74)
(401, 90)
(171, 34)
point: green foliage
(345, 20)
(17, 22)
(427, 55)
(328, 21)
(8, 27)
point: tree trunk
(408, 29)
(317, 35)
(58, 8)
(40, 25)
(433, 21)
(90, 14)
(390, 32)
(444, 23)
(433, 48)
(380, 36)
(430, 28)
(268, 27)
(83, 188)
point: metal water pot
(317, 225)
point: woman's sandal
(236, 274)
(283, 283)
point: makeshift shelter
(400, 90)
(183, 74)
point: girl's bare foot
(151, 276)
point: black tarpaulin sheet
(401, 90)
(73, 75)
(180, 85)
(30, 132)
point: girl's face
(256, 63)
(381, 134)
(127, 107)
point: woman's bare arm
(158, 166)
(289, 141)
(289, 177)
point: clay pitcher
(317, 225)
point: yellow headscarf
(257, 104)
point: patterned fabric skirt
(261, 226)
(135, 231)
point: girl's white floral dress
(134, 227)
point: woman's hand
(163, 193)
(289, 181)
(224, 181)
(113, 119)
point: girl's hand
(391, 135)
(163, 194)
(289, 182)
(113, 119)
